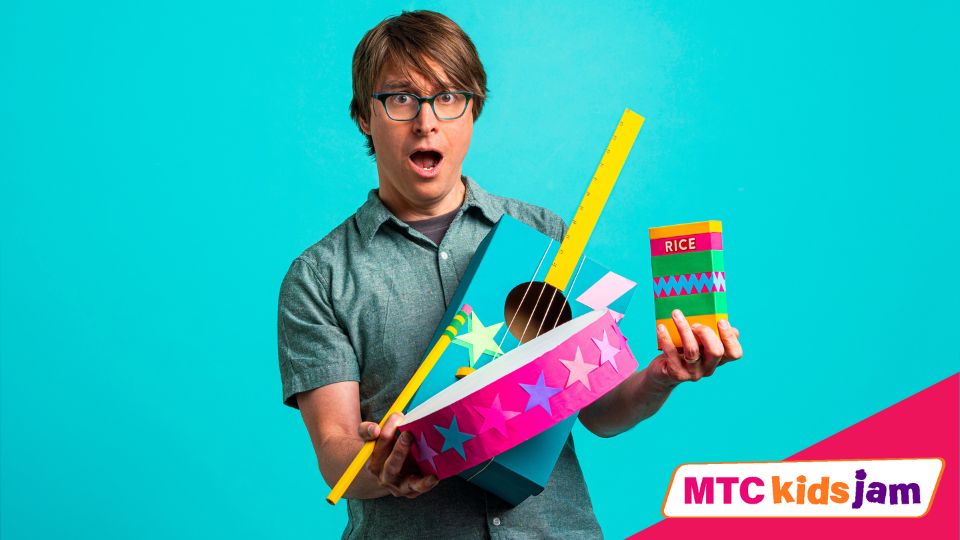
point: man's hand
(644, 392)
(703, 351)
(390, 463)
(332, 414)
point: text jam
(799, 490)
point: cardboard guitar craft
(521, 284)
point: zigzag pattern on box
(704, 282)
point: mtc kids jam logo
(869, 488)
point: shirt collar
(373, 214)
(478, 198)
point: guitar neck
(611, 163)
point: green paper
(687, 263)
(691, 304)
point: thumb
(369, 431)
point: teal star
(454, 438)
(480, 339)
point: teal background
(161, 165)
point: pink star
(608, 353)
(494, 417)
(579, 370)
(426, 453)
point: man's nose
(425, 122)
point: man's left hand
(703, 351)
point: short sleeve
(550, 224)
(560, 226)
(314, 351)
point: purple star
(426, 453)
(494, 417)
(540, 394)
(608, 353)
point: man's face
(419, 162)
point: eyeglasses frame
(383, 96)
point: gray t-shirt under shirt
(362, 305)
(434, 228)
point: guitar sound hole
(535, 308)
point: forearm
(634, 400)
(334, 455)
(331, 415)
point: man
(358, 308)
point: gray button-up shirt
(362, 305)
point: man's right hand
(332, 414)
(391, 461)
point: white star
(480, 339)
(579, 370)
(608, 353)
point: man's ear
(364, 126)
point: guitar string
(566, 296)
(476, 474)
(569, 292)
(546, 312)
(535, 304)
(512, 319)
(524, 297)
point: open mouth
(426, 160)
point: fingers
(394, 478)
(418, 486)
(384, 444)
(666, 342)
(730, 337)
(390, 476)
(691, 348)
(712, 348)
(699, 342)
(672, 363)
(390, 453)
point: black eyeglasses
(404, 106)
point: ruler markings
(588, 212)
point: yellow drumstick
(402, 401)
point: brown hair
(407, 41)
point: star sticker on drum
(494, 417)
(480, 339)
(608, 353)
(426, 453)
(454, 438)
(540, 394)
(579, 370)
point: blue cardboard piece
(512, 254)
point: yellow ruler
(571, 249)
(353, 469)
